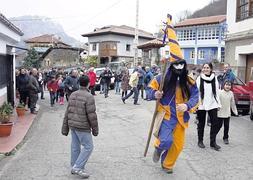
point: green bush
(5, 111)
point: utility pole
(136, 34)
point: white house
(115, 43)
(239, 41)
(9, 36)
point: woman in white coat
(209, 88)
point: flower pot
(5, 129)
(20, 111)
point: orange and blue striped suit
(171, 135)
(172, 130)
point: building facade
(55, 53)
(61, 57)
(239, 40)
(202, 39)
(151, 52)
(115, 43)
(10, 35)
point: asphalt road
(118, 150)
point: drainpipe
(13, 52)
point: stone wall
(61, 57)
(235, 57)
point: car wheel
(251, 111)
(245, 112)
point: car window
(98, 72)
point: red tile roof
(155, 43)
(46, 38)
(202, 21)
(121, 30)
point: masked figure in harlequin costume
(178, 98)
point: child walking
(227, 103)
(52, 87)
(61, 88)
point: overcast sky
(82, 16)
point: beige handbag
(158, 122)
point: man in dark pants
(22, 86)
(106, 78)
(71, 83)
(41, 84)
(34, 89)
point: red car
(250, 85)
(241, 94)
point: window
(186, 35)
(94, 47)
(244, 9)
(3, 71)
(201, 54)
(209, 33)
(222, 54)
(128, 47)
(192, 54)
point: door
(249, 68)
(10, 80)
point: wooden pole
(156, 106)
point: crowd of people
(210, 95)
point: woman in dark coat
(124, 82)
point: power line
(44, 18)
(93, 17)
(75, 27)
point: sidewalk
(19, 130)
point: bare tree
(183, 15)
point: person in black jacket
(106, 78)
(22, 86)
(34, 89)
(71, 83)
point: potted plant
(20, 109)
(5, 125)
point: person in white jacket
(133, 82)
(227, 103)
(209, 102)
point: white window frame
(201, 54)
(128, 47)
(94, 47)
(192, 54)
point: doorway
(249, 68)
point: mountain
(33, 26)
(215, 7)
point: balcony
(107, 49)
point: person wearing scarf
(209, 103)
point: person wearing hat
(178, 97)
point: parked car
(98, 72)
(250, 85)
(241, 95)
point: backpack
(147, 79)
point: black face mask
(177, 71)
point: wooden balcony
(107, 49)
